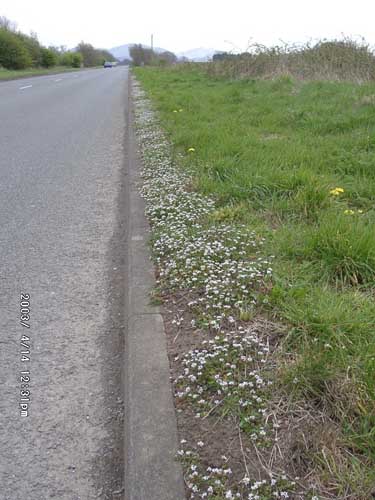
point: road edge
(150, 434)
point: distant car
(107, 64)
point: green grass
(271, 152)
(7, 74)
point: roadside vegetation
(335, 60)
(22, 54)
(11, 74)
(144, 56)
(277, 264)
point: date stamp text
(25, 347)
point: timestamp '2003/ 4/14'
(25, 356)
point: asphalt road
(61, 234)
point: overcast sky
(179, 25)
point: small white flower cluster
(220, 265)
(217, 482)
(225, 375)
(209, 482)
(214, 263)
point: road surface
(62, 179)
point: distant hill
(198, 55)
(122, 52)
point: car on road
(107, 64)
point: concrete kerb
(151, 442)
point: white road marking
(25, 87)
(58, 80)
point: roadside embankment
(261, 203)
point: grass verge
(293, 161)
(8, 74)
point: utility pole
(152, 42)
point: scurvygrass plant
(215, 482)
(225, 376)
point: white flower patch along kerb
(214, 482)
(225, 376)
(220, 264)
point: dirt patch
(303, 436)
(224, 442)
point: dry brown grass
(335, 60)
(311, 442)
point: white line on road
(25, 87)
(58, 80)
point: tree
(222, 56)
(13, 53)
(72, 59)
(77, 60)
(90, 55)
(106, 55)
(165, 58)
(19, 51)
(32, 45)
(141, 56)
(7, 24)
(144, 56)
(49, 58)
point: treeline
(143, 56)
(92, 56)
(21, 51)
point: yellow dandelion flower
(336, 191)
(175, 111)
(180, 110)
(349, 212)
(191, 150)
(360, 211)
